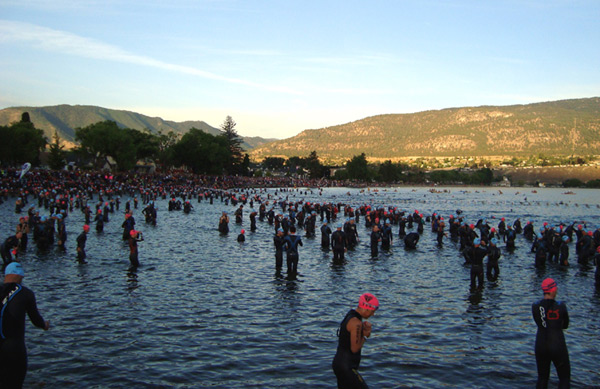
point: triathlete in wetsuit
(492, 264)
(375, 239)
(291, 243)
(325, 235)
(81, 239)
(352, 335)
(134, 238)
(224, 223)
(477, 255)
(338, 243)
(15, 301)
(278, 242)
(411, 240)
(551, 318)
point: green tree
(273, 163)
(314, 166)
(388, 172)
(573, 183)
(56, 154)
(105, 139)
(234, 142)
(202, 152)
(358, 168)
(165, 153)
(21, 142)
(146, 143)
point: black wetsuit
(492, 264)
(411, 240)
(10, 243)
(278, 242)
(81, 239)
(551, 318)
(477, 255)
(345, 363)
(375, 239)
(13, 354)
(291, 243)
(338, 245)
(325, 236)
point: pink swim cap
(549, 285)
(368, 301)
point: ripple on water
(206, 311)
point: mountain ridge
(65, 118)
(557, 127)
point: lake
(206, 311)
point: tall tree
(56, 154)
(21, 142)
(234, 142)
(358, 168)
(202, 152)
(314, 166)
(105, 139)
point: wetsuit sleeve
(33, 313)
(535, 314)
(566, 317)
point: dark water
(206, 311)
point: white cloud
(71, 44)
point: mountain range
(566, 127)
(64, 119)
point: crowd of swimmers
(45, 199)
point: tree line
(105, 143)
(202, 153)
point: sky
(280, 67)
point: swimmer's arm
(357, 340)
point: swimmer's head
(494, 241)
(565, 238)
(369, 302)
(549, 286)
(86, 228)
(14, 268)
(476, 242)
(133, 233)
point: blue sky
(280, 67)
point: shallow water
(206, 311)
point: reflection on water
(203, 310)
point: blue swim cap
(540, 236)
(339, 225)
(565, 238)
(476, 241)
(14, 268)
(280, 230)
(494, 241)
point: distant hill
(66, 118)
(553, 128)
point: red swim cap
(549, 285)
(368, 301)
(133, 233)
(86, 228)
(243, 231)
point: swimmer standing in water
(551, 318)
(352, 334)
